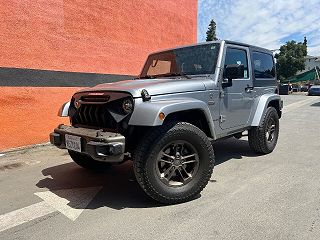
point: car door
(236, 101)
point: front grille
(95, 115)
(102, 110)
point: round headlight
(127, 105)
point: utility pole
(317, 74)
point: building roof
(317, 58)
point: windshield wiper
(166, 75)
(176, 74)
(147, 76)
(183, 74)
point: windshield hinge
(222, 118)
(221, 94)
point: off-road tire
(88, 162)
(257, 136)
(145, 155)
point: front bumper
(100, 145)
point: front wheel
(263, 139)
(174, 162)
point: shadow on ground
(232, 148)
(315, 104)
(119, 187)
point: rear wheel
(173, 163)
(263, 139)
(88, 162)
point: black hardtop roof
(260, 49)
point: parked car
(314, 90)
(166, 120)
(296, 88)
(304, 88)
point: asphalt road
(277, 196)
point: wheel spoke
(188, 156)
(185, 171)
(272, 128)
(166, 161)
(271, 131)
(167, 171)
(191, 161)
(183, 177)
(171, 173)
(175, 147)
(167, 155)
(181, 150)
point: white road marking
(1, 154)
(69, 202)
(23, 215)
(296, 105)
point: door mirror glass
(232, 71)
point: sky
(265, 23)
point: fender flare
(262, 106)
(147, 113)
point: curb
(24, 148)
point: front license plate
(73, 143)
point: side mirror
(232, 71)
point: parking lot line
(299, 104)
(78, 199)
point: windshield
(194, 60)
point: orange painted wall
(110, 36)
(28, 115)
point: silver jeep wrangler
(166, 120)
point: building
(312, 62)
(49, 49)
(310, 73)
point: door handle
(249, 89)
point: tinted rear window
(263, 65)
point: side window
(263, 65)
(237, 56)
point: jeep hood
(153, 86)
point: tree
(305, 42)
(211, 33)
(291, 59)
